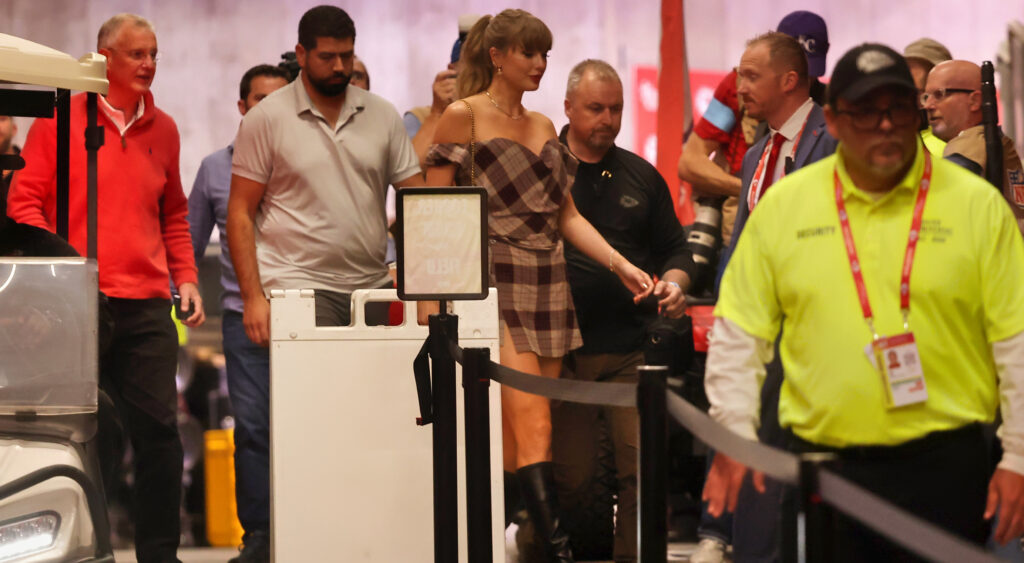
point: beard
(328, 88)
(601, 139)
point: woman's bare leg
(528, 416)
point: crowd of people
(586, 251)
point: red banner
(645, 128)
(674, 116)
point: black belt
(944, 438)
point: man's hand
(444, 90)
(256, 318)
(1006, 492)
(722, 487)
(191, 300)
(671, 300)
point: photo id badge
(897, 359)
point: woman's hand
(635, 279)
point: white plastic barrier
(351, 471)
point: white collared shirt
(790, 130)
(117, 116)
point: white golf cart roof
(25, 62)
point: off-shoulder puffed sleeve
(448, 153)
(443, 154)
(568, 175)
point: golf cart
(51, 501)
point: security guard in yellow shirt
(894, 279)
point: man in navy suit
(775, 87)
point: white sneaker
(709, 550)
(511, 549)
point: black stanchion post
(815, 521)
(475, 385)
(653, 464)
(444, 327)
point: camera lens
(704, 238)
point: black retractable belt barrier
(446, 511)
(911, 532)
(475, 384)
(653, 463)
(820, 492)
(816, 521)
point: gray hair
(110, 28)
(601, 70)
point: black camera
(290, 65)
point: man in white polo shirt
(894, 278)
(310, 172)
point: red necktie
(769, 171)
(773, 158)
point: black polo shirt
(628, 202)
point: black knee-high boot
(537, 482)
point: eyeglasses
(941, 93)
(868, 118)
(139, 55)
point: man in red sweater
(143, 240)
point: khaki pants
(574, 442)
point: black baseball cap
(866, 67)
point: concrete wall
(206, 45)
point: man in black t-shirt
(628, 202)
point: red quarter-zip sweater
(142, 227)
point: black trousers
(138, 373)
(942, 478)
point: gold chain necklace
(495, 103)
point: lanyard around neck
(755, 195)
(908, 256)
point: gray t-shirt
(321, 224)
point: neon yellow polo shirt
(934, 144)
(790, 269)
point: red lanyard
(755, 195)
(908, 257)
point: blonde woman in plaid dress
(490, 138)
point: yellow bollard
(222, 526)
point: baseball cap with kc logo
(811, 32)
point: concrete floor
(676, 552)
(187, 555)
